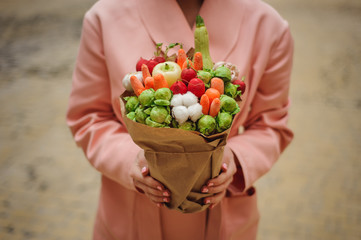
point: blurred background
(49, 191)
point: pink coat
(115, 35)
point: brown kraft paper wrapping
(181, 160)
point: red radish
(188, 74)
(140, 62)
(178, 88)
(242, 85)
(197, 87)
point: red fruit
(242, 85)
(178, 88)
(159, 59)
(188, 74)
(151, 64)
(140, 62)
(197, 87)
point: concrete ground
(49, 191)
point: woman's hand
(219, 185)
(144, 183)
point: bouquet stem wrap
(181, 160)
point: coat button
(251, 191)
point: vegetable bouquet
(179, 109)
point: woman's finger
(150, 190)
(215, 199)
(218, 188)
(145, 171)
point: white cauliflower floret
(189, 99)
(180, 113)
(195, 112)
(177, 100)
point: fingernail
(207, 201)
(225, 166)
(205, 189)
(166, 194)
(210, 184)
(144, 169)
(159, 188)
(165, 200)
(159, 205)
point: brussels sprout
(151, 123)
(131, 116)
(162, 102)
(163, 94)
(140, 115)
(132, 103)
(188, 125)
(160, 114)
(228, 104)
(205, 76)
(224, 121)
(206, 124)
(224, 73)
(146, 98)
(230, 89)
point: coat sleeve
(104, 140)
(266, 133)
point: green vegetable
(131, 116)
(188, 125)
(151, 123)
(132, 103)
(206, 125)
(140, 115)
(160, 114)
(230, 90)
(224, 121)
(205, 76)
(163, 96)
(228, 104)
(224, 73)
(146, 98)
(201, 43)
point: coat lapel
(166, 23)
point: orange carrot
(182, 57)
(198, 61)
(137, 85)
(204, 102)
(145, 71)
(212, 93)
(149, 82)
(218, 84)
(215, 107)
(160, 82)
(188, 64)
